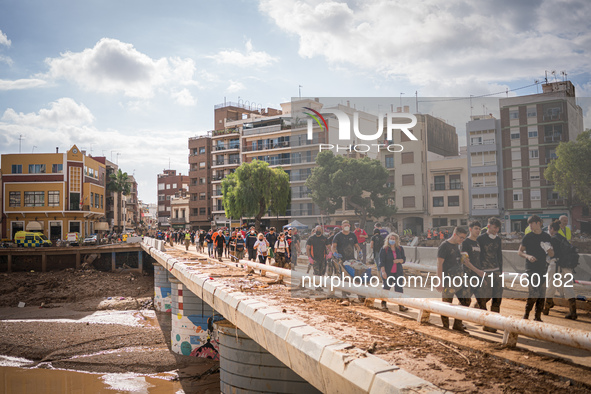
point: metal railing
(447, 186)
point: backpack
(569, 254)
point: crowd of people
(472, 252)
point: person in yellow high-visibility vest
(564, 230)
(187, 240)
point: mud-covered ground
(452, 361)
(94, 321)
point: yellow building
(53, 193)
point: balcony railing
(485, 206)
(218, 162)
(447, 186)
(178, 221)
(217, 192)
(557, 137)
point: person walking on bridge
(187, 240)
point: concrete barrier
(246, 367)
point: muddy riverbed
(92, 328)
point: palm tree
(119, 183)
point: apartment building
(53, 193)
(448, 190)
(169, 183)
(180, 217)
(131, 206)
(485, 175)
(200, 181)
(531, 128)
(409, 172)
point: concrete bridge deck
(316, 338)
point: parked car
(91, 240)
(29, 239)
(73, 239)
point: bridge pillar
(192, 324)
(162, 301)
(246, 367)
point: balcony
(556, 137)
(264, 129)
(556, 202)
(259, 147)
(447, 186)
(218, 133)
(227, 147)
(178, 221)
(217, 192)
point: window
(34, 199)
(14, 199)
(453, 222)
(408, 157)
(534, 177)
(201, 211)
(514, 114)
(174, 185)
(455, 182)
(515, 154)
(404, 137)
(36, 168)
(438, 202)
(202, 164)
(168, 198)
(534, 154)
(202, 181)
(101, 201)
(463, 222)
(408, 202)
(532, 113)
(201, 150)
(390, 161)
(536, 195)
(453, 201)
(439, 183)
(168, 186)
(475, 140)
(96, 200)
(53, 198)
(161, 197)
(439, 222)
(161, 186)
(17, 168)
(202, 196)
(518, 196)
(91, 199)
(515, 135)
(57, 168)
(532, 134)
(408, 180)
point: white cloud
(4, 39)
(184, 98)
(112, 66)
(20, 83)
(64, 112)
(250, 58)
(235, 86)
(433, 42)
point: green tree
(360, 182)
(119, 183)
(255, 188)
(571, 171)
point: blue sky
(139, 77)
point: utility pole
(20, 138)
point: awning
(34, 226)
(101, 226)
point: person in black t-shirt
(316, 250)
(449, 264)
(250, 240)
(472, 248)
(345, 243)
(271, 238)
(535, 247)
(376, 243)
(491, 262)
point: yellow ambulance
(28, 239)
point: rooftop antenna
(20, 139)
(563, 73)
(554, 73)
(471, 105)
(33, 150)
(537, 82)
